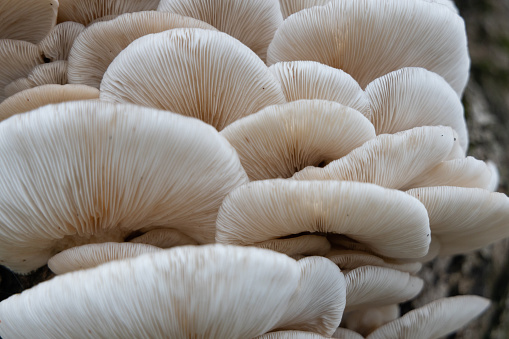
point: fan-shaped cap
(318, 304)
(186, 292)
(413, 97)
(164, 238)
(351, 259)
(291, 335)
(251, 22)
(288, 7)
(86, 11)
(40, 75)
(447, 3)
(389, 160)
(43, 95)
(57, 44)
(94, 50)
(92, 255)
(434, 320)
(371, 286)
(304, 245)
(367, 320)
(464, 219)
(91, 172)
(313, 80)
(283, 139)
(20, 57)
(28, 20)
(370, 38)
(386, 220)
(495, 176)
(204, 74)
(466, 172)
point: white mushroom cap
(204, 74)
(466, 172)
(464, 219)
(389, 160)
(447, 3)
(251, 22)
(43, 95)
(83, 171)
(92, 255)
(372, 286)
(288, 7)
(57, 44)
(318, 303)
(164, 238)
(434, 320)
(367, 320)
(28, 20)
(20, 57)
(283, 139)
(495, 176)
(370, 38)
(86, 11)
(94, 50)
(186, 292)
(413, 97)
(313, 80)
(383, 219)
(50, 73)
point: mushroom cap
(386, 220)
(92, 255)
(372, 286)
(313, 80)
(434, 320)
(370, 38)
(367, 320)
(288, 7)
(84, 171)
(20, 57)
(94, 50)
(318, 304)
(36, 97)
(283, 139)
(50, 73)
(389, 160)
(251, 22)
(186, 292)
(204, 74)
(86, 11)
(351, 259)
(414, 97)
(164, 238)
(464, 219)
(344, 333)
(57, 44)
(466, 172)
(495, 176)
(28, 20)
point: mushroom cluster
(237, 169)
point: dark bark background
(486, 100)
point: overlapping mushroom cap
(204, 74)
(200, 292)
(251, 22)
(385, 220)
(280, 140)
(82, 172)
(94, 50)
(370, 38)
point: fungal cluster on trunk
(237, 169)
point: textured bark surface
(486, 100)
